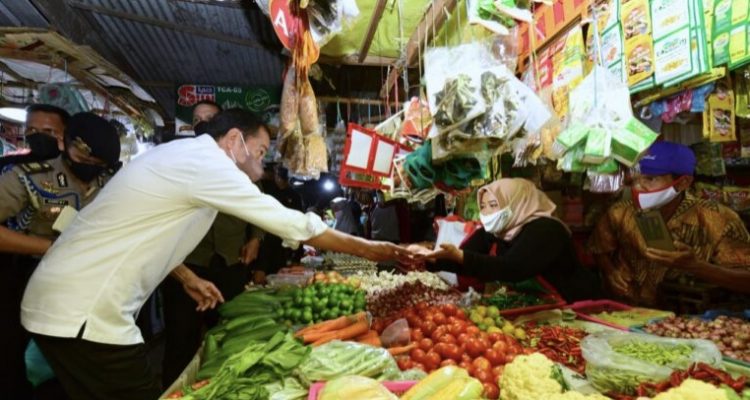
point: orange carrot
(401, 349)
(332, 325)
(368, 335)
(351, 331)
(372, 341)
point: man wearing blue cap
(710, 240)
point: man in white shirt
(82, 300)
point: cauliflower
(693, 389)
(529, 377)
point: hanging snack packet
(738, 198)
(569, 138)
(629, 144)
(598, 146)
(571, 162)
(707, 191)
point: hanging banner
(262, 100)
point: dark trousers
(95, 371)
(183, 325)
(14, 275)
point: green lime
(346, 304)
(335, 312)
(307, 316)
(307, 301)
(296, 314)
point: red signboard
(284, 22)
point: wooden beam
(431, 23)
(350, 100)
(369, 61)
(166, 25)
(374, 22)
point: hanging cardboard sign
(368, 158)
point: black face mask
(84, 172)
(43, 146)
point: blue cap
(665, 158)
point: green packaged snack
(598, 146)
(609, 166)
(572, 161)
(569, 138)
(629, 143)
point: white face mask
(655, 199)
(247, 153)
(497, 221)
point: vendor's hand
(386, 251)
(203, 292)
(420, 249)
(249, 251)
(681, 258)
(618, 282)
(448, 252)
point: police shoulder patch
(35, 167)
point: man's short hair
(206, 103)
(49, 108)
(246, 121)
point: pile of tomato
(443, 335)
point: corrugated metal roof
(164, 55)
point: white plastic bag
(612, 371)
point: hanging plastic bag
(417, 120)
(308, 109)
(454, 93)
(396, 334)
(619, 362)
(330, 18)
(289, 109)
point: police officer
(45, 125)
(32, 197)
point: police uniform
(32, 196)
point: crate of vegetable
(731, 334)
(619, 362)
(616, 315)
(525, 297)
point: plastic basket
(585, 308)
(554, 298)
(396, 387)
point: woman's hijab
(526, 202)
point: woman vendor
(520, 239)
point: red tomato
(447, 362)
(495, 357)
(498, 371)
(463, 338)
(439, 318)
(379, 325)
(414, 321)
(416, 335)
(418, 365)
(438, 332)
(447, 338)
(465, 365)
(484, 376)
(484, 343)
(475, 348)
(432, 360)
(422, 305)
(500, 346)
(495, 337)
(404, 363)
(417, 355)
(428, 327)
(460, 314)
(472, 330)
(482, 363)
(449, 309)
(456, 328)
(453, 352)
(466, 357)
(491, 391)
(509, 358)
(425, 344)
